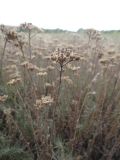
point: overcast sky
(64, 14)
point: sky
(64, 14)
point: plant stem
(60, 78)
(2, 58)
(29, 43)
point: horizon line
(57, 28)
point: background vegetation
(59, 94)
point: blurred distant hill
(58, 30)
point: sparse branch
(67, 62)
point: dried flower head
(42, 74)
(11, 67)
(24, 64)
(93, 34)
(32, 67)
(111, 52)
(26, 26)
(68, 80)
(3, 98)
(14, 81)
(44, 101)
(74, 102)
(104, 61)
(50, 68)
(48, 85)
(73, 68)
(11, 35)
(2, 27)
(64, 56)
(15, 75)
(29, 26)
(29, 66)
(49, 88)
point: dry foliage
(60, 100)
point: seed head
(14, 81)
(3, 98)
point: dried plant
(63, 105)
(28, 28)
(63, 57)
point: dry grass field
(59, 94)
